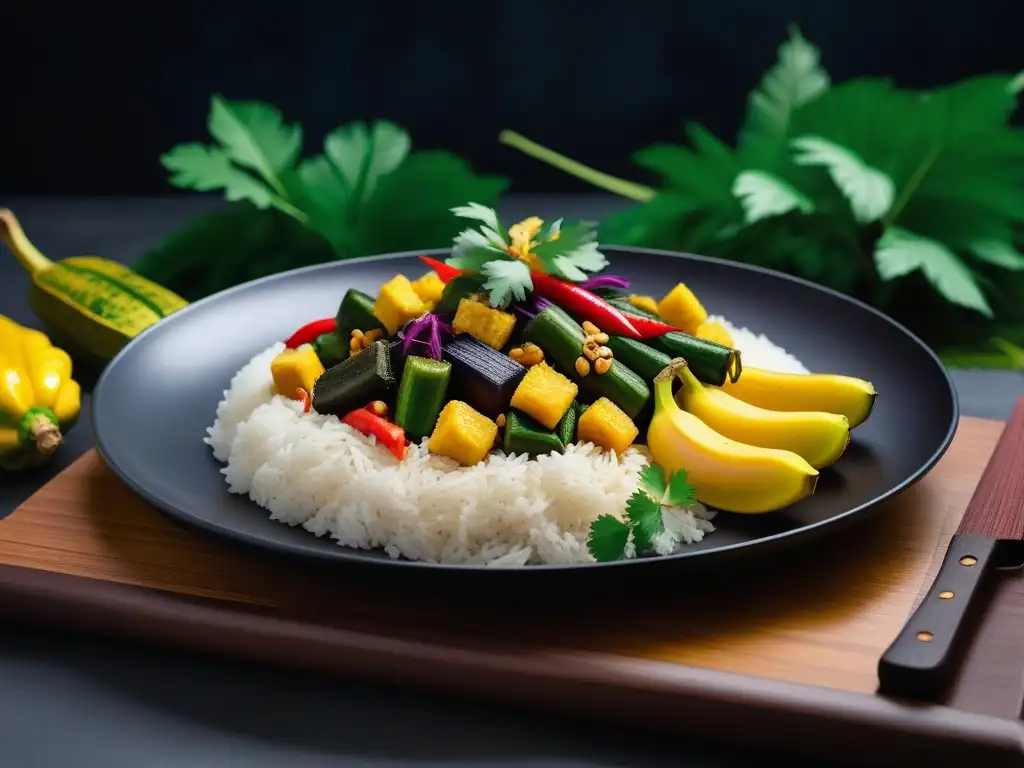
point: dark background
(94, 92)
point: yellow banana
(39, 400)
(726, 474)
(819, 437)
(828, 392)
(95, 304)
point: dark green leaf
(362, 156)
(900, 252)
(325, 198)
(256, 137)
(412, 206)
(196, 166)
(998, 252)
(229, 246)
(870, 192)
(680, 492)
(653, 481)
(795, 79)
(688, 174)
(763, 195)
(979, 104)
(607, 539)
(655, 224)
(644, 515)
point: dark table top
(68, 700)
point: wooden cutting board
(785, 657)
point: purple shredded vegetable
(425, 330)
(533, 306)
(605, 281)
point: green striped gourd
(94, 306)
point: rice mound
(507, 511)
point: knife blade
(920, 661)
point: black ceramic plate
(155, 400)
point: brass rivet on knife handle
(920, 662)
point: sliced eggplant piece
(482, 377)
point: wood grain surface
(806, 634)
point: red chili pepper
(649, 328)
(308, 333)
(587, 305)
(444, 271)
(391, 436)
(303, 396)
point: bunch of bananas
(755, 444)
(759, 453)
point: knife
(919, 663)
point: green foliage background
(910, 200)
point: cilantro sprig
(506, 256)
(608, 538)
(365, 192)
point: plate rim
(341, 556)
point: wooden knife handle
(919, 662)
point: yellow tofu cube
(295, 368)
(397, 303)
(429, 288)
(491, 326)
(462, 433)
(682, 309)
(607, 425)
(714, 332)
(545, 394)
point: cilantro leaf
(505, 280)
(680, 493)
(607, 539)
(870, 192)
(196, 166)
(364, 194)
(763, 195)
(473, 258)
(644, 514)
(795, 79)
(900, 252)
(495, 230)
(999, 253)
(572, 254)
(255, 136)
(363, 155)
(325, 197)
(653, 481)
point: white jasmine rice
(508, 511)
